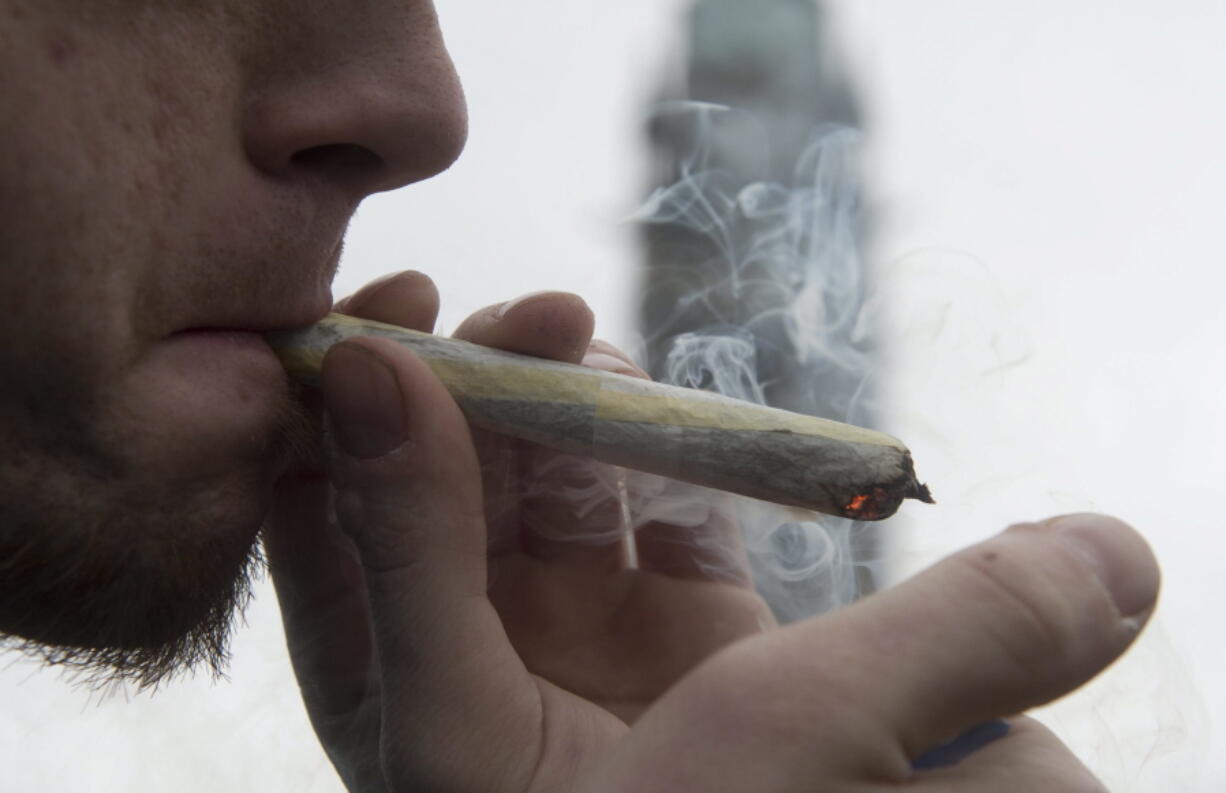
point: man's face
(176, 176)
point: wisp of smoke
(773, 274)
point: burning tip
(881, 502)
(856, 504)
(876, 504)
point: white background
(1049, 182)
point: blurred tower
(766, 60)
(766, 57)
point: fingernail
(1118, 556)
(381, 281)
(365, 406)
(506, 307)
(370, 290)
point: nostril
(340, 158)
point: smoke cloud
(778, 269)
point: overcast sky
(1049, 182)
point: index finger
(554, 325)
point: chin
(130, 576)
(129, 521)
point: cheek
(99, 188)
(111, 126)
(70, 256)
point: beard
(144, 630)
(117, 577)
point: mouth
(205, 379)
(238, 323)
(233, 337)
(226, 381)
(235, 354)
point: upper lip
(280, 315)
(265, 264)
(261, 319)
(279, 299)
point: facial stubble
(137, 589)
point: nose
(367, 100)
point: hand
(592, 643)
(443, 643)
(848, 701)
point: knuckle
(385, 530)
(1032, 608)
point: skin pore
(170, 169)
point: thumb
(408, 491)
(993, 630)
(1001, 627)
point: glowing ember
(857, 503)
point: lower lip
(225, 369)
(228, 353)
(205, 403)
